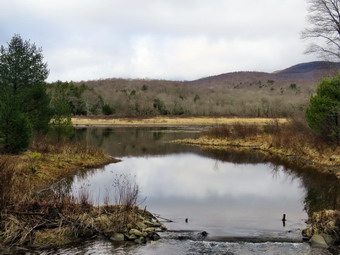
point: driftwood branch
(165, 219)
(26, 213)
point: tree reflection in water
(321, 189)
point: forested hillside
(255, 94)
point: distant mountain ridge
(314, 66)
(310, 72)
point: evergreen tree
(37, 107)
(21, 65)
(323, 112)
(23, 73)
(15, 129)
(61, 122)
(24, 103)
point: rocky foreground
(324, 230)
(61, 226)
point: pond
(238, 198)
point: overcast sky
(166, 39)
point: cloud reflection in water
(221, 197)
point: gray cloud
(170, 39)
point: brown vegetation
(56, 162)
(248, 94)
(326, 225)
(24, 175)
(25, 209)
(58, 219)
(153, 97)
(34, 213)
(168, 121)
(292, 140)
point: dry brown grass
(40, 218)
(62, 159)
(44, 164)
(6, 177)
(55, 217)
(289, 139)
(170, 121)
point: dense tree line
(133, 98)
(81, 99)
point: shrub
(15, 130)
(236, 130)
(160, 106)
(107, 110)
(293, 86)
(323, 111)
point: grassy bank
(168, 121)
(291, 140)
(34, 215)
(45, 163)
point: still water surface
(231, 195)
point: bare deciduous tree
(324, 29)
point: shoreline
(319, 164)
(324, 226)
(51, 167)
(42, 217)
(37, 216)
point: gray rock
(117, 237)
(150, 230)
(163, 228)
(137, 232)
(156, 237)
(152, 224)
(328, 239)
(130, 237)
(141, 225)
(308, 232)
(141, 217)
(318, 241)
(140, 240)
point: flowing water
(237, 198)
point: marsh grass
(6, 179)
(237, 130)
(43, 144)
(55, 215)
(27, 203)
(293, 138)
